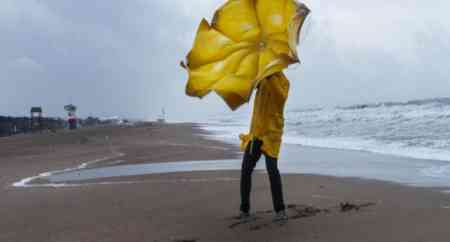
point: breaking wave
(418, 128)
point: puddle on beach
(143, 169)
(70, 177)
(421, 173)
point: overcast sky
(121, 57)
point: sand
(195, 206)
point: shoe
(280, 217)
(243, 216)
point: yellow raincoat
(268, 114)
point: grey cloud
(121, 57)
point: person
(264, 138)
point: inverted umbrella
(247, 41)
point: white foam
(26, 181)
(371, 146)
(71, 185)
(414, 131)
(230, 134)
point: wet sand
(195, 206)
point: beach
(197, 206)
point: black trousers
(251, 156)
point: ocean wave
(418, 128)
(396, 149)
(419, 102)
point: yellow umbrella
(247, 41)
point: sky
(121, 58)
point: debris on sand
(296, 211)
(185, 240)
(258, 227)
(301, 211)
(346, 207)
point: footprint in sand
(295, 212)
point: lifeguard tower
(36, 123)
(71, 116)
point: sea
(416, 129)
(409, 141)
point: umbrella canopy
(247, 41)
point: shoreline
(28, 182)
(228, 135)
(303, 159)
(176, 206)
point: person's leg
(275, 184)
(251, 157)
